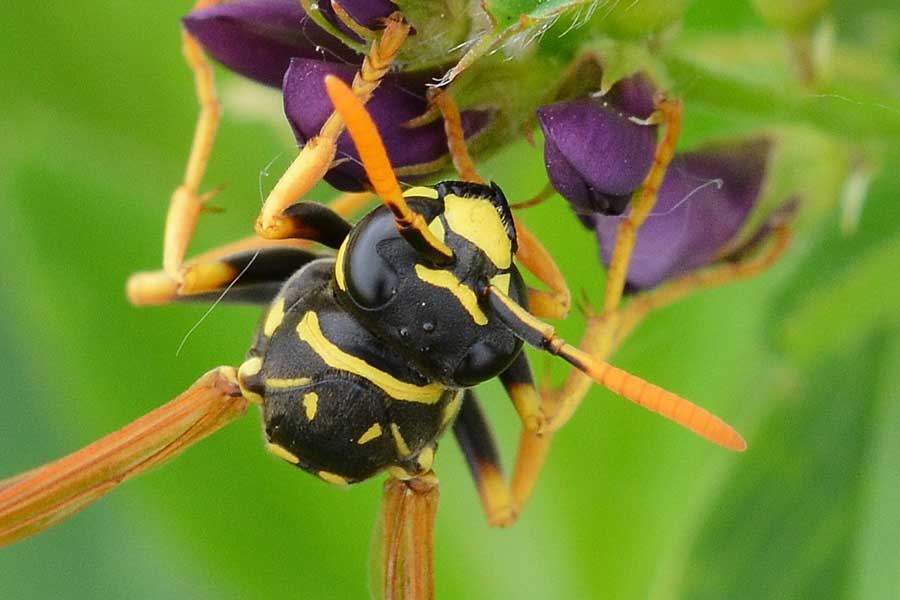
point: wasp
(364, 357)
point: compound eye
(371, 280)
(483, 361)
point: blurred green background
(97, 113)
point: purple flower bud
(368, 13)
(258, 38)
(705, 199)
(397, 100)
(595, 155)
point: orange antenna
(633, 388)
(411, 224)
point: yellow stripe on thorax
(309, 331)
(447, 280)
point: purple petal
(595, 156)
(368, 13)
(307, 106)
(258, 38)
(704, 200)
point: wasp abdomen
(336, 400)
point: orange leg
(187, 202)
(406, 539)
(42, 497)
(215, 269)
(502, 503)
(318, 154)
(670, 112)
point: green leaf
(786, 523)
(850, 304)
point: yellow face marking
(275, 317)
(402, 448)
(501, 282)
(282, 384)
(448, 281)
(283, 453)
(339, 266)
(332, 478)
(311, 404)
(309, 331)
(477, 220)
(248, 369)
(426, 458)
(371, 433)
(451, 409)
(421, 192)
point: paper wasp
(219, 396)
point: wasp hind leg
(37, 500)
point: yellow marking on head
(282, 384)
(447, 280)
(283, 453)
(501, 282)
(426, 458)
(421, 191)
(371, 433)
(309, 331)
(248, 369)
(477, 220)
(451, 409)
(402, 448)
(332, 478)
(339, 265)
(311, 404)
(275, 317)
(437, 228)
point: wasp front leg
(252, 269)
(318, 155)
(503, 503)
